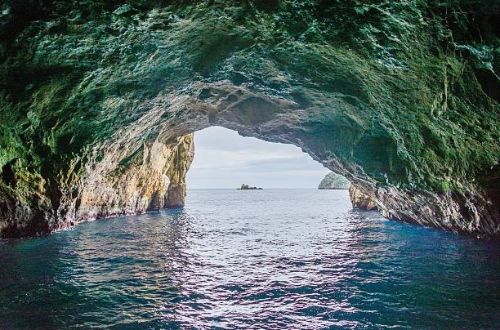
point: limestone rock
(177, 171)
(362, 200)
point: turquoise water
(270, 259)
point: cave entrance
(224, 159)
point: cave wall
(122, 177)
(399, 97)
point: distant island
(334, 181)
(247, 187)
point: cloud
(224, 159)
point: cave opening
(224, 159)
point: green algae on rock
(401, 97)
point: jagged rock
(362, 200)
(97, 97)
(334, 181)
(176, 172)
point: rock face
(130, 178)
(176, 172)
(361, 200)
(99, 98)
(334, 181)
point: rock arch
(99, 104)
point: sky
(224, 159)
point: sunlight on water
(251, 259)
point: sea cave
(99, 101)
(100, 105)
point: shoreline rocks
(361, 200)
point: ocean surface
(271, 259)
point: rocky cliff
(98, 99)
(124, 176)
(334, 181)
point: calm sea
(270, 259)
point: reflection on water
(250, 259)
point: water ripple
(290, 259)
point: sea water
(270, 259)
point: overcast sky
(224, 159)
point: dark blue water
(269, 259)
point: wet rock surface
(362, 200)
(99, 100)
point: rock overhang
(376, 97)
